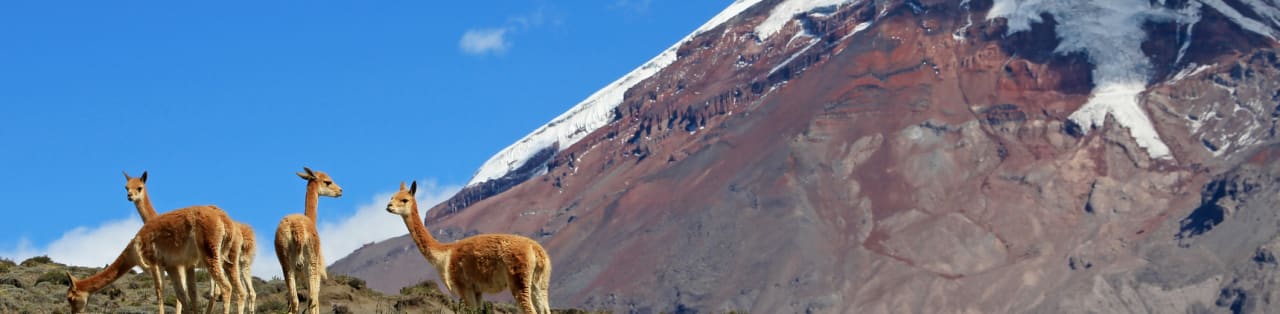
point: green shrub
(427, 287)
(38, 260)
(353, 282)
(13, 281)
(57, 277)
(341, 309)
(272, 306)
(202, 276)
(6, 265)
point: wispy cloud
(636, 6)
(498, 40)
(85, 246)
(484, 41)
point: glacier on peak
(595, 111)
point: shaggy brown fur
(486, 263)
(176, 242)
(298, 243)
(244, 254)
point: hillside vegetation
(39, 285)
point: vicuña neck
(144, 207)
(427, 244)
(118, 268)
(313, 199)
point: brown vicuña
(136, 192)
(176, 242)
(298, 244)
(485, 263)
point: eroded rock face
(905, 156)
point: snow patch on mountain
(1110, 32)
(786, 11)
(592, 113)
(1246, 23)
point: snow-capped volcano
(989, 156)
(593, 112)
(597, 110)
(1108, 31)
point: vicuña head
(135, 187)
(75, 296)
(325, 183)
(403, 202)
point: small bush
(57, 277)
(272, 306)
(341, 309)
(112, 292)
(202, 276)
(425, 287)
(13, 281)
(6, 265)
(36, 261)
(403, 304)
(353, 282)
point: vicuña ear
(413, 189)
(126, 175)
(72, 279)
(307, 174)
(402, 185)
(144, 176)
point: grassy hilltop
(39, 285)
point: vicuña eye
(328, 183)
(404, 200)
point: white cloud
(529, 21)
(484, 41)
(369, 223)
(497, 40)
(83, 246)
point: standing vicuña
(176, 241)
(485, 263)
(298, 244)
(136, 191)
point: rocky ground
(39, 285)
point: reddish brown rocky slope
(914, 156)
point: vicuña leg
(233, 277)
(540, 298)
(468, 297)
(315, 269)
(212, 257)
(178, 277)
(158, 279)
(521, 289)
(286, 266)
(246, 278)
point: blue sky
(222, 102)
